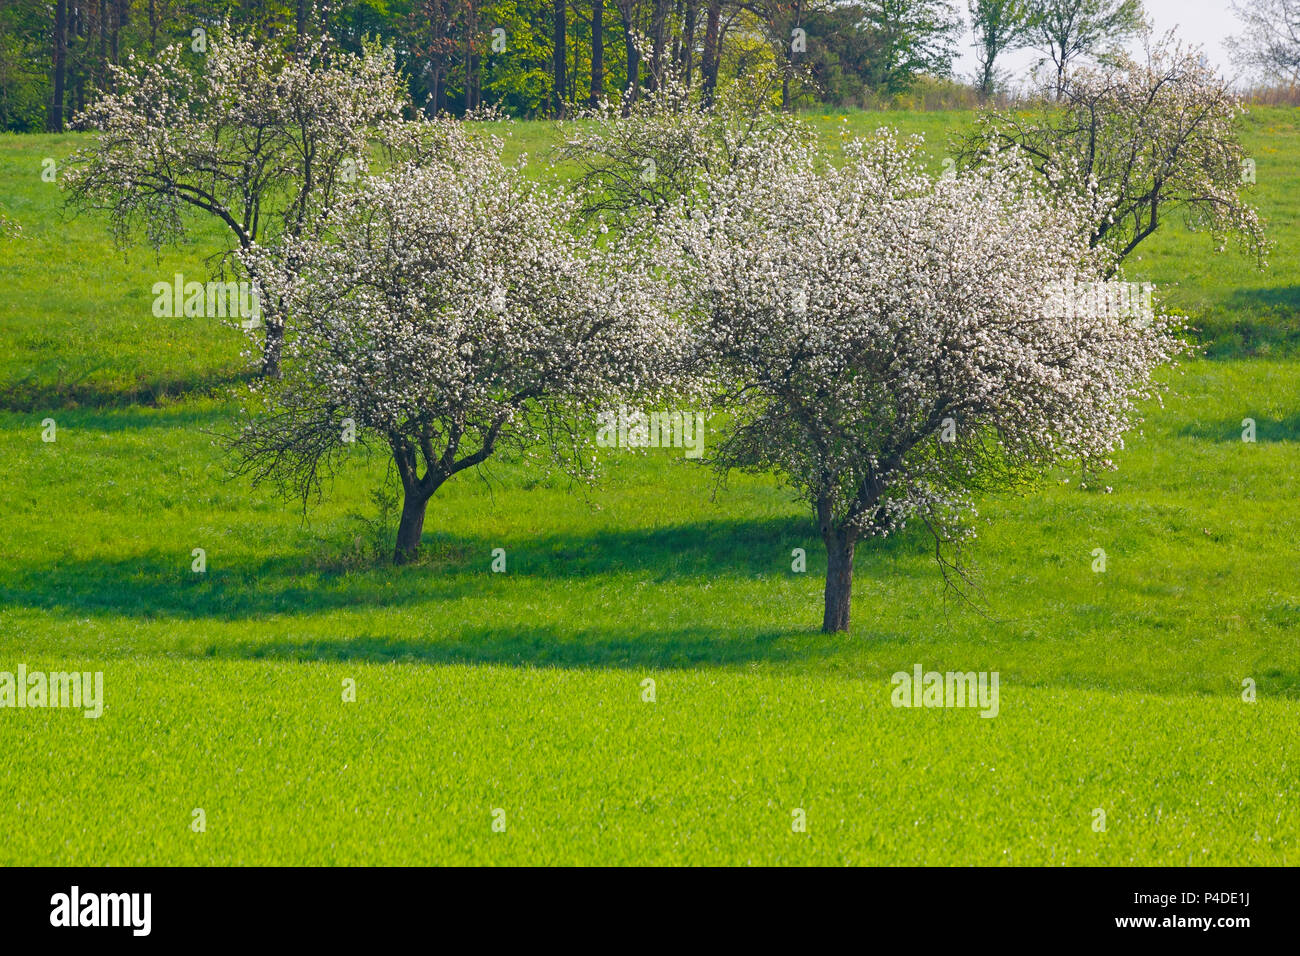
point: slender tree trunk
(76, 49)
(121, 18)
(561, 9)
(658, 22)
(709, 57)
(680, 19)
(597, 51)
(688, 40)
(54, 122)
(101, 28)
(839, 581)
(632, 90)
(787, 71)
(470, 33)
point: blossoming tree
(447, 311)
(258, 138)
(894, 343)
(635, 158)
(1143, 141)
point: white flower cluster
(448, 308)
(890, 342)
(858, 313)
(636, 157)
(257, 137)
(1141, 140)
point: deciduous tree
(1000, 26)
(255, 137)
(1269, 47)
(1141, 141)
(446, 312)
(1069, 29)
(892, 343)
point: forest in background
(528, 58)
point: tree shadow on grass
(33, 395)
(548, 646)
(1283, 299)
(157, 585)
(1252, 322)
(1230, 430)
(206, 419)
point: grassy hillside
(77, 324)
(523, 692)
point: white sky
(1206, 23)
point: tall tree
(711, 55)
(597, 51)
(628, 11)
(559, 24)
(60, 77)
(688, 39)
(1068, 29)
(1270, 45)
(999, 26)
(909, 38)
(658, 27)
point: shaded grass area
(655, 567)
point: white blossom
(851, 311)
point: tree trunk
(54, 122)
(101, 28)
(76, 34)
(411, 527)
(597, 51)
(839, 581)
(709, 58)
(633, 88)
(272, 348)
(558, 62)
(658, 23)
(121, 18)
(471, 63)
(688, 40)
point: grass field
(523, 692)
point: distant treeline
(527, 57)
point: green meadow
(520, 698)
